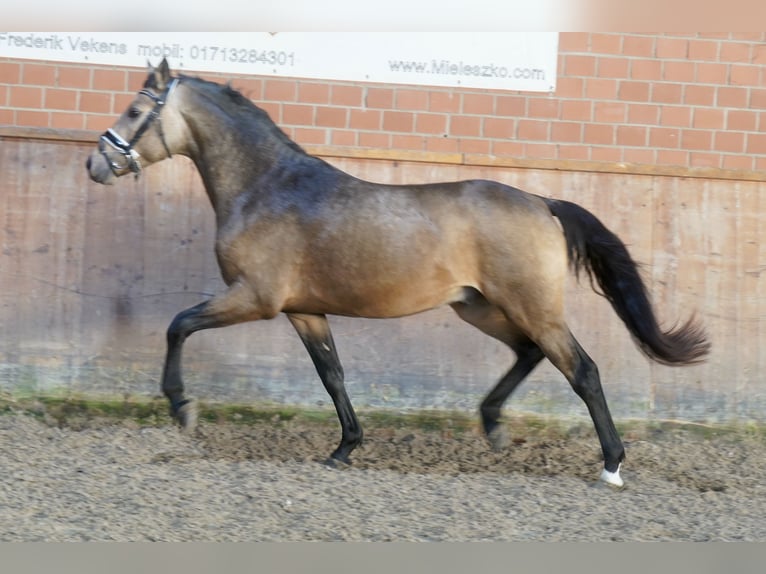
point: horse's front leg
(315, 333)
(234, 306)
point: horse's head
(148, 131)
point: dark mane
(236, 104)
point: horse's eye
(134, 113)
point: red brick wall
(687, 100)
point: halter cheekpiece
(118, 143)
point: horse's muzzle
(98, 169)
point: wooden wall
(90, 276)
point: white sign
(519, 61)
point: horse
(296, 235)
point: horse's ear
(159, 77)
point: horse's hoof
(498, 438)
(612, 479)
(186, 416)
(337, 463)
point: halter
(125, 148)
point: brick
(98, 122)
(610, 112)
(732, 142)
(346, 96)
(680, 116)
(566, 87)
(574, 41)
(379, 98)
(740, 75)
(411, 100)
(442, 145)
(731, 97)
(346, 138)
(759, 54)
(643, 114)
(507, 148)
(79, 78)
(672, 157)
(696, 139)
(712, 73)
(606, 44)
(684, 71)
(634, 91)
(573, 152)
(603, 153)
(739, 162)
(314, 136)
(33, 118)
(646, 70)
(704, 159)
(273, 109)
(95, 102)
(331, 117)
(756, 144)
(735, 52)
(120, 102)
(298, 114)
(313, 93)
(482, 104)
(613, 67)
(640, 46)
(10, 73)
(538, 107)
(578, 110)
(394, 121)
(664, 137)
(566, 131)
(444, 102)
(110, 80)
(410, 142)
(7, 117)
(639, 155)
(477, 146)
(703, 50)
(709, 118)
(431, 123)
(499, 128)
(365, 119)
(631, 135)
(577, 65)
(465, 126)
(758, 99)
(26, 97)
(666, 93)
(697, 95)
(600, 89)
(374, 140)
(532, 130)
(599, 134)
(38, 75)
(66, 120)
(280, 90)
(672, 48)
(741, 120)
(540, 151)
(511, 106)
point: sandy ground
(267, 482)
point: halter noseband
(118, 143)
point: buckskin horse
(298, 236)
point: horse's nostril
(87, 164)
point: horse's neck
(230, 161)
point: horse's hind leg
(563, 350)
(492, 321)
(315, 333)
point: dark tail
(591, 246)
